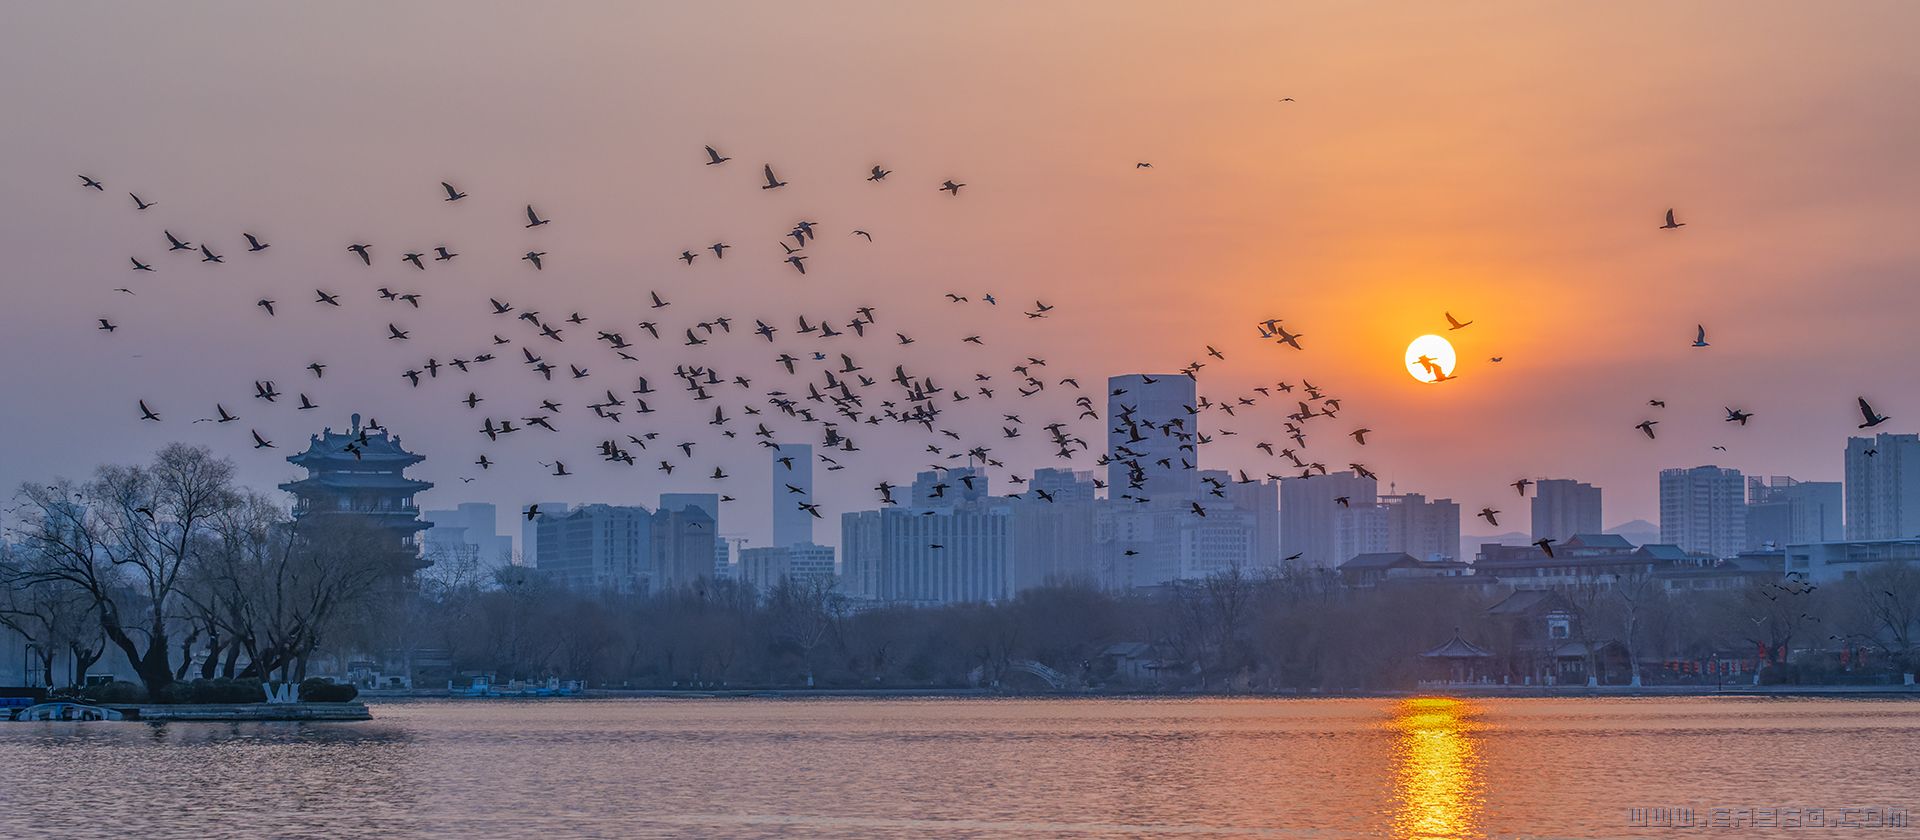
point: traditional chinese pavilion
(361, 472)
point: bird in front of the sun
(1431, 366)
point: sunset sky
(1506, 162)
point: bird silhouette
(1868, 417)
(1671, 224)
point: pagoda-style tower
(362, 473)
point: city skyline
(1562, 402)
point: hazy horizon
(1507, 163)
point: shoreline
(1498, 691)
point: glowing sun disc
(1430, 358)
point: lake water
(966, 768)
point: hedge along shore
(220, 712)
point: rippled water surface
(952, 768)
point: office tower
(1062, 484)
(1149, 418)
(1783, 512)
(1052, 542)
(908, 556)
(710, 503)
(1218, 543)
(946, 488)
(530, 531)
(596, 548)
(766, 567)
(1563, 507)
(1139, 543)
(1883, 487)
(1423, 529)
(1359, 528)
(468, 533)
(792, 469)
(1261, 501)
(1310, 524)
(1702, 510)
(682, 548)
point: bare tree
(1889, 601)
(1636, 593)
(125, 539)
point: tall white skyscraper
(792, 469)
(1703, 510)
(1883, 487)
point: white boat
(66, 711)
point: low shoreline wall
(220, 712)
(1489, 691)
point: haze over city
(1413, 172)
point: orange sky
(1508, 162)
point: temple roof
(1458, 648)
(371, 445)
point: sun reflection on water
(1437, 778)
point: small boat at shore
(483, 686)
(66, 711)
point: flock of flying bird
(811, 388)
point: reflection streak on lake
(1417, 768)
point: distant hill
(1638, 532)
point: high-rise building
(1310, 522)
(1883, 487)
(530, 530)
(1359, 529)
(1563, 507)
(1138, 543)
(1061, 484)
(1052, 542)
(1783, 512)
(1703, 510)
(792, 469)
(709, 502)
(946, 488)
(766, 567)
(1149, 420)
(682, 548)
(941, 555)
(1423, 529)
(596, 548)
(1262, 503)
(468, 532)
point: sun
(1430, 359)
